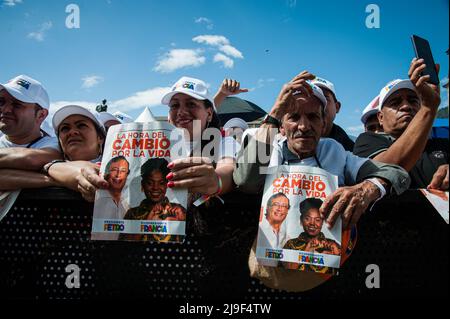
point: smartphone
(423, 51)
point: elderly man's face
(303, 125)
(398, 111)
(118, 173)
(279, 210)
(312, 222)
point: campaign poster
(138, 205)
(292, 234)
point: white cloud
(214, 40)
(40, 34)
(54, 106)
(208, 22)
(222, 44)
(150, 97)
(291, 3)
(227, 62)
(91, 81)
(356, 129)
(179, 58)
(262, 83)
(231, 51)
(11, 3)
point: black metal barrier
(47, 230)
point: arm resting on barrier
(13, 179)
(26, 158)
(67, 173)
(397, 177)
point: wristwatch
(271, 120)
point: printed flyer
(292, 234)
(138, 205)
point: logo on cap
(320, 80)
(390, 85)
(23, 83)
(189, 85)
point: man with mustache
(272, 227)
(299, 114)
(407, 109)
(311, 239)
(24, 147)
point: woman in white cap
(81, 135)
(209, 169)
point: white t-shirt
(45, 142)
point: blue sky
(129, 52)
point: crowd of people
(394, 154)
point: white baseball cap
(106, 117)
(190, 86)
(69, 110)
(317, 91)
(123, 118)
(324, 84)
(392, 87)
(371, 109)
(28, 90)
(236, 122)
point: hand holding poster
(137, 205)
(291, 232)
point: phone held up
(423, 51)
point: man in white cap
(123, 117)
(108, 120)
(115, 118)
(299, 109)
(24, 104)
(369, 116)
(407, 111)
(333, 107)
